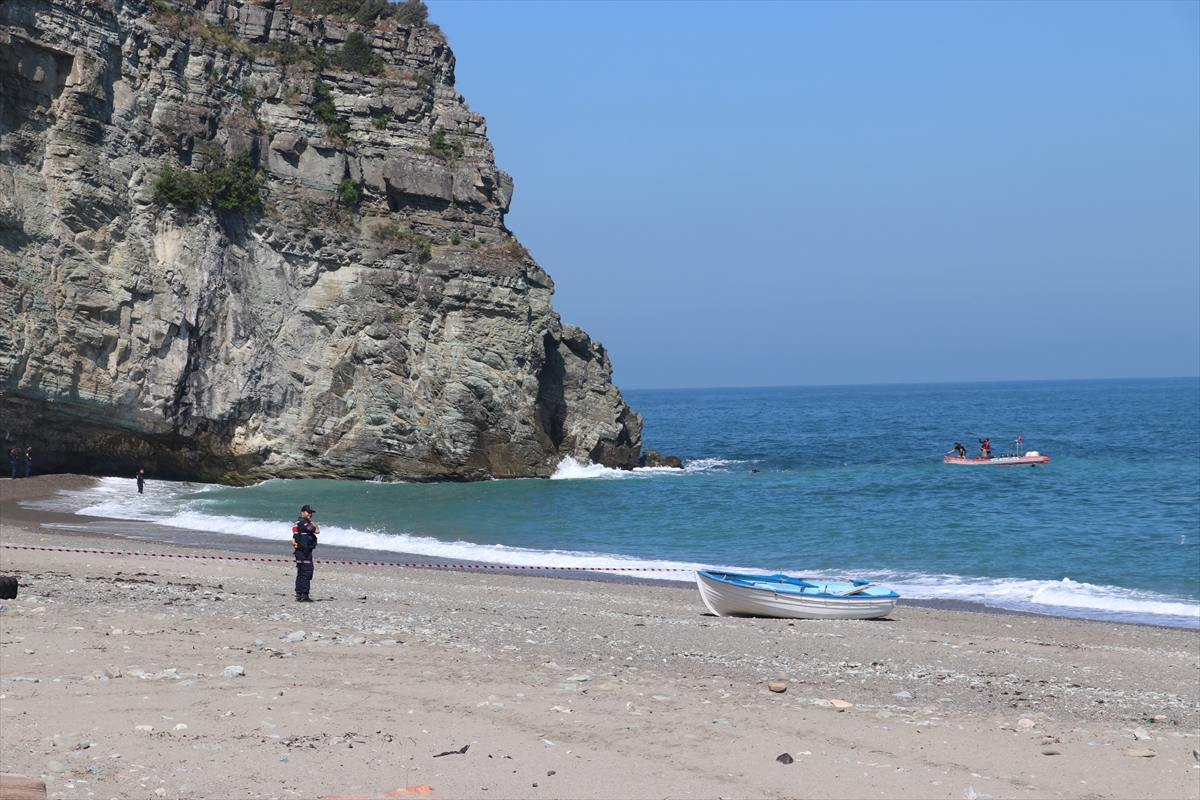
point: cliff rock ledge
(238, 241)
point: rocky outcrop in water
(238, 242)
(653, 458)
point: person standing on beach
(12, 459)
(304, 539)
(28, 461)
(141, 480)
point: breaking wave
(175, 505)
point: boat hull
(729, 599)
(1000, 461)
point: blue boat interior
(811, 587)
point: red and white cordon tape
(349, 563)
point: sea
(830, 481)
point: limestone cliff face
(402, 332)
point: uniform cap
(309, 509)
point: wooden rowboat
(730, 594)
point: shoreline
(585, 688)
(75, 525)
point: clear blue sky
(764, 194)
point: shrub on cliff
(347, 192)
(288, 52)
(184, 21)
(391, 232)
(324, 110)
(366, 12)
(233, 183)
(323, 106)
(439, 147)
(230, 184)
(511, 248)
(179, 186)
(356, 56)
(410, 12)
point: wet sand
(113, 684)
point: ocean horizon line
(886, 384)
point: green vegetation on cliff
(440, 147)
(356, 56)
(391, 232)
(230, 184)
(366, 12)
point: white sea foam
(710, 464)
(171, 505)
(570, 469)
(1048, 597)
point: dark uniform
(13, 458)
(304, 539)
(28, 461)
(141, 480)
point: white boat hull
(728, 600)
(1033, 459)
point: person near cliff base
(13, 458)
(141, 480)
(28, 461)
(304, 540)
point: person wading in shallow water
(304, 539)
(141, 480)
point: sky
(785, 193)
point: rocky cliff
(238, 241)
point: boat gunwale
(1007, 460)
(753, 582)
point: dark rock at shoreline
(653, 458)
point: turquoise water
(850, 483)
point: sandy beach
(162, 677)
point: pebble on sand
(233, 671)
(144, 728)
(784, 758)
(1050, 751)
(1026, 723)
(1139, 753)
(779, 687)
(841, 704)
